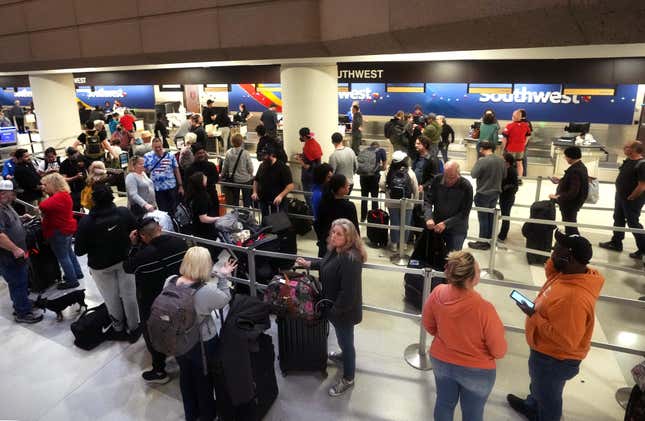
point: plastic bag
(594, 191)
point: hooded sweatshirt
(564, 317)
(467, 329)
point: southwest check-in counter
(592, 154)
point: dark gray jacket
(341, 278)
(449, 204)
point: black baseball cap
(579, 247)
(305, 132)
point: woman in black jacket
(334, 205)
(341, 277)
(205, 211)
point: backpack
(93, 148)
(183, 219)
(387, 129)
(367, 164)
(401, 185)
(173, 325)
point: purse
(278, 221)
(228, 178)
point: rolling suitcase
(302, 344)
(266, 387)
(539, 236)
(378, 236)
(43, 268)
(429, 251)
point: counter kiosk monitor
(8, 136)
(578, 127)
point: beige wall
(49, 34)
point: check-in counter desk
(471, 152)
(591, 156)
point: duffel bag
(92, 327)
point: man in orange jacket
(559, 327)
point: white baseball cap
(6, 185)
(399, 156)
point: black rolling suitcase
(266, 387)
(377, 236)
(43, 268)
(430, 251)
(539, 236)
(287, 243)
(302, 344)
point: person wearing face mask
(447, 206)
(559, 326)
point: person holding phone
(559, 326)
(469, 337)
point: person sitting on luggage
(510, 186)
(334, 205)
(341, 277)
(448, 205)
(153, 258)
(104, 235)
(469, 337)
(59, 226)
(573, 188)
(272, 183)
(13, 263)
(196, 387)
(559, 326)
(400, 182)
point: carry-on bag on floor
(299, 207)
(378, 236)
(302, 344)
(92, 327)
(266, 386)
(43, 268)
(430, 251)
(539, 236)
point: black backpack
(93, 147)
(387, 129)
(401, 184)
(92, 327)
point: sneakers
(67, 285)
(336, 357)
(341, 387)
(637, 255)
(134, 335)
(29, 318)
(478, 245)
(519, 405)
(610, 245)
(156, 377)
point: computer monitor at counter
(578, 127)
(8, 136)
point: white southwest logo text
(523, 95)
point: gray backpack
(173, 324)
(367, 164)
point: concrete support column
(54, 97)
(309, 99)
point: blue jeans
(395, 220)
(197, 388)
(628, 211)
(345, 336)
(454, 240)
(469, 386)
(61, 245)
(488, 200)
(548, 376)
(15, 274)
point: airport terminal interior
(311, 61)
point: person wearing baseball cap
(13, 246)
(559, 326)
(308, 159)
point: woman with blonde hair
(196, 272)
(186, 156)
(59, 226)
(469, 337)
(140, 188)
(341, 276)
(96, 174)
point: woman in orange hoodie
(469, 337)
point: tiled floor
(44, 377)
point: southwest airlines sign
(524, 96)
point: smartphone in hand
(522, 299)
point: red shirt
(312, 150)
(127, 122)
(515, 133)
(57, 215)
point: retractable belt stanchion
(401, 259)
(417, 354)
(490, 271)
(538, 188)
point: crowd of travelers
(141, 260)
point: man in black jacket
(573, 188)
(153, 258)
(448, 204)
(27, 178)
(202, 164)
(104, 236)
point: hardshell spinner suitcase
(539, 236)
(378, 236)
(302, 344)
(266, 387)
